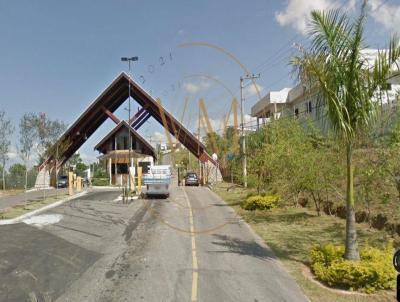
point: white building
(270, 106)
(301, 102)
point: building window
(145, 166)
(122, 143)
(121, 169)
(296, 112)
(308, 106)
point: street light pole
(129, 60)
(57, 169)
(243, 134)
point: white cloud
(158, 137)
(12, 153)
(385, 14)
(193, 88)
(351, 5)
(297, 12)
(250, 90)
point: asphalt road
(190, 247)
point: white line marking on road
(42, 220)
(120, 198)
(195, 266)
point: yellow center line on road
(195, 266)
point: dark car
(62, 182)
(191, 179)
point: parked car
(62, 181)
(191, 179)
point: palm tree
(346, 84)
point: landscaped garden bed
(292, 232)
(21, 209)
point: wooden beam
(110, 115)
(136, 116)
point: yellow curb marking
(195, 266)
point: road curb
(116, 188)
(40, 210)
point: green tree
(369, 178)
(47, 133)
(77, 163)
(16, 176)
(6, 129)
(323, 172)
(288, 152)
(17, 170)
(258, 160)
(335, 67)
(26, 141)
(389, 154)
(99, 170)
(185, 161)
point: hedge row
(373, 272)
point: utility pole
(198, 147)
(129, 60)
(56, 171)
(243, 135)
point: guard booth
(117, 157)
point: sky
(58, 56)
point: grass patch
(291, 233)
(11, 192)
(32, 205)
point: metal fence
(17, 181)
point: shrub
(260, 202)
(100, 181)
(250, 194)
(373, 272)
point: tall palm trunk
(351, 252)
